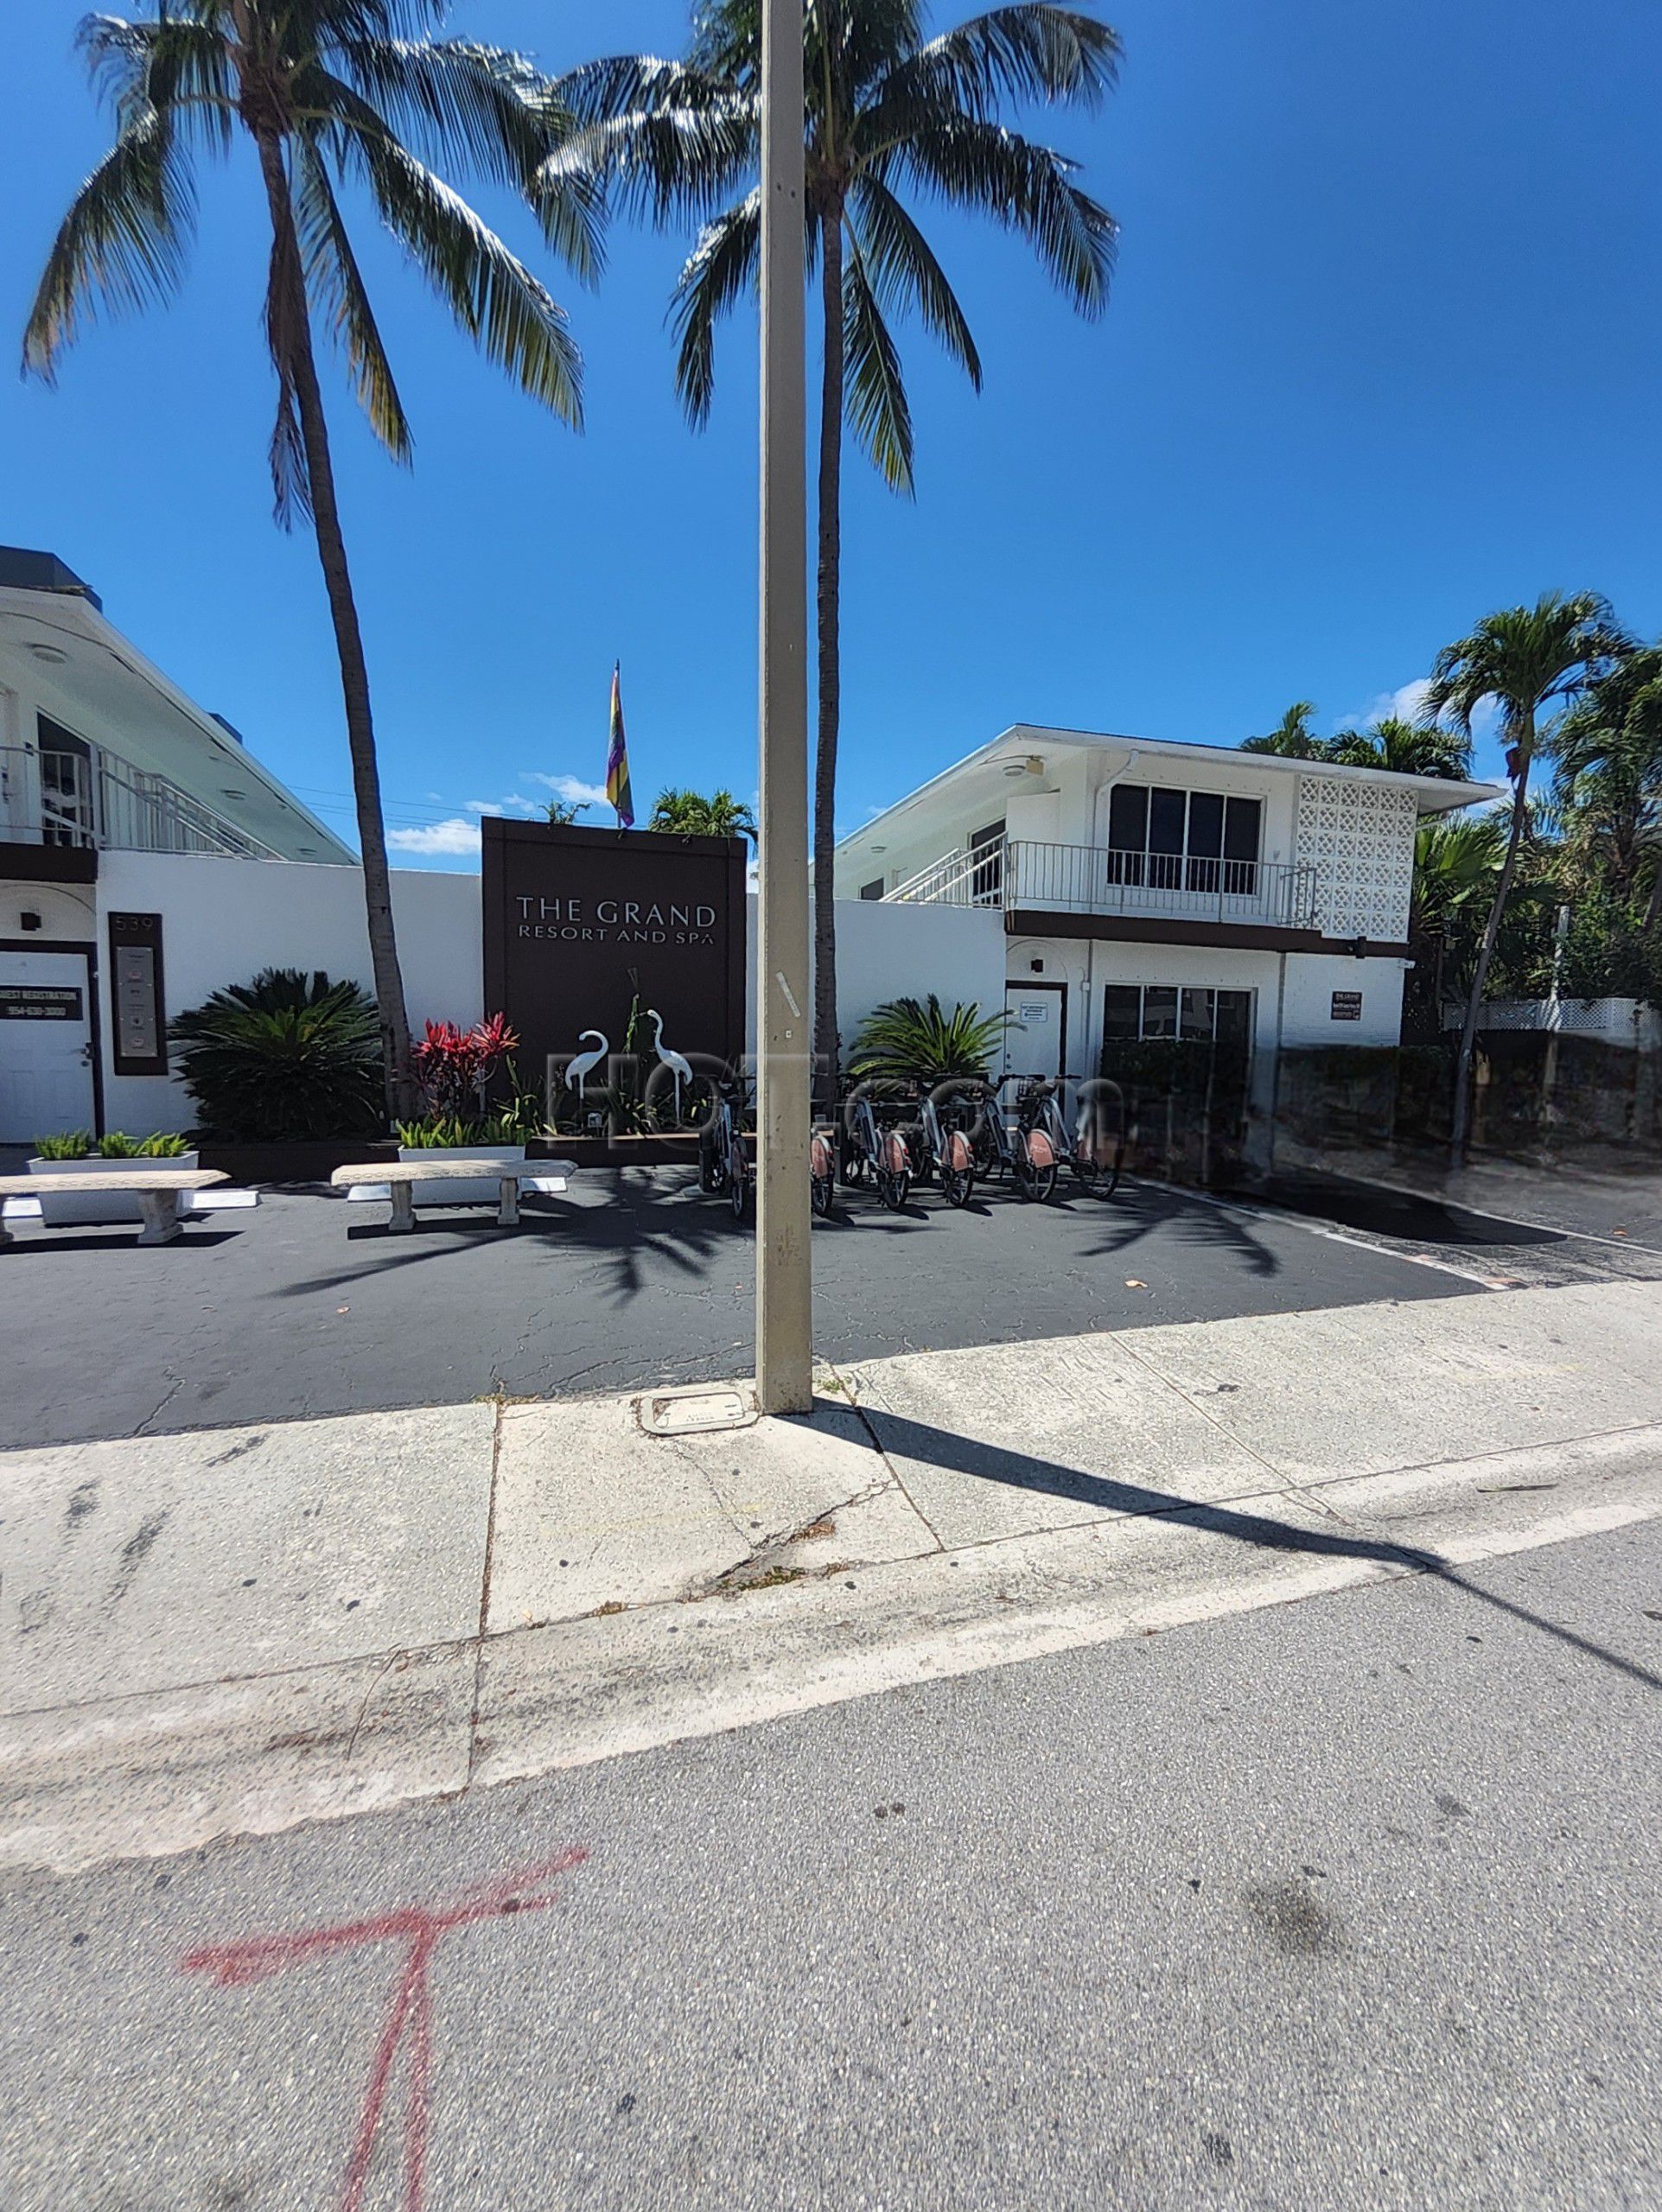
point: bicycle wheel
(712, 1168)
(894, 1172)
(957, 1170)
(738, 1178)
(822, 1176)
(1035, 1165)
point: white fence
(1615, 1022)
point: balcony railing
(1095, 880)
(96, 799)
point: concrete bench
(158, 1193)
(396, 1178)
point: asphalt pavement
(307, 1306)
(1353, 1902)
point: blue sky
(1386, 351)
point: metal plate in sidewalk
(697, 1409)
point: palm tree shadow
(1142, 1209)
(895, 1434)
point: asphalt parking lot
(307, 1306)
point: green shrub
(116, 1144)
(285, 1056)
(436, 1131)
(164, 1145)
(72, 1144)
(913, 1040)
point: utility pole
(783, 1030)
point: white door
(1033, 1040)
(45, 1045)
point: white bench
(395, 1180)
(158, 1193)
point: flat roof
(1435, 794)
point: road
(1348, 1902)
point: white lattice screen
(1358, 836)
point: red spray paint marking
(411, 2012)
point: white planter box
(460, 1190)
(90, 1206)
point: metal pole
(784, 1035)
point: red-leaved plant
(454, 1066)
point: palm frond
(123, 243)
(1026, 52)
(721, 268)
(904, 269)
(878, 412)
(491, 293)
(335, 286)
(1027, 187)
(286, 335)
(177, 66)
(913, 1040)
(667, 164)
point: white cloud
(572, 789)
(515, 802)
(1408, 701)
(457, 836)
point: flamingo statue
(680, 1069)
(581, 1066)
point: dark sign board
(578, 923)
(140, 1037)
(1348, 1006)
(39, 1002)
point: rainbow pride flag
(617, 758)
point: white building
(104, 760)
(1149, 889)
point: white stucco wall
(225, 920)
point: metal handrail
(131, 810)
(1104, 879)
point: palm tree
(1407, 748)
(1609, 779)
(1292, 735)
(331, 92)
(690, 814)
(889, 112)
(1524, 658)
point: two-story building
(101, 758)
(1149, 889)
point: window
(1183, 841)
(67, 815)
(872, 890)
(987, 879)
(1138, 1012)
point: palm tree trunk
(1462, 1114)
(402, 1095)
(831, 675)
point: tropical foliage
(690, 814)
(911, 1040)
(1524, 659)
(287, 1056)
(338, 98)
(1409, 749)
(893, 115)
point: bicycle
(723, 1158)
(882, 1152)
(822, 1172)
(1015, 1145)
(946, 1150)
(1095, 1156)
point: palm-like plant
(1405, 748)
(1524, 658)
(331, 93)
(287, 1056)
(1292, 736)
(889, 112)
(913, 1040)
(1609, 778)
(690, 814)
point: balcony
(96, 801)
(1092, 883)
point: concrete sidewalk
(224, 1632)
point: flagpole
(784, 1048)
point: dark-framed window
(1182, 840)
(872, 890)
(1139, 1013)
